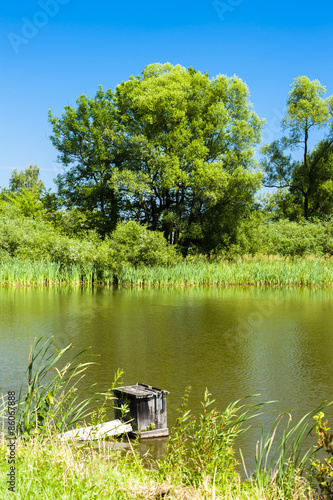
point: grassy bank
(50, 469)
(244, 270)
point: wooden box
(147, 409)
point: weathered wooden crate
(147, 409)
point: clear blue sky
(53, 51)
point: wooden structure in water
(147, 409)
(99, 431)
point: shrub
(26, 238)
(283, 237)
(135, 244)
(297, 238)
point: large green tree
(307, 178)
(164, 149)
(188, 137)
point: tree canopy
(308, 179)
(27, 192)
(27, 178)
(165, 163)
(164, 149)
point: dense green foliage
(35, 239)
(35, 251)
(84, 139)
(134, 244)
(171, 148)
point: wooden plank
(152, 434)
(100, 431)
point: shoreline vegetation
(246, 270)
(161, 171)
(199, 462)
(49, 468)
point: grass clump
(53, 470)
(200, 448)
(287, 463)
(51, 400)
(195, 467)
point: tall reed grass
(245, 270)
(51, 399)
(255, 270)
(44, 272)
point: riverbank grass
(258, 270)
(245, 270)
(51, 469)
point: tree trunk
(306, 196)
(114, 209)
(306, 206)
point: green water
(235, 341)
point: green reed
(50, 399)
(246, 270)
(280, 460)
(239, 270)
(43, 272)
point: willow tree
(188, 137)
(307, 180)
(165, 148)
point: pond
(236, 341)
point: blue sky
(52, 51)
